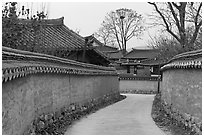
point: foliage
(177, 18)
(120, 26)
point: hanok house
(51, 36)
(100, 46)
(112, 53)
(142, 62)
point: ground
(131, 116)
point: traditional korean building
(142, 62)
(112, 53)
(100, 46)
(51, 36)
(114, 56)
(140, 54)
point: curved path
(131, 116)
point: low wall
(135, 84)
(181, 89)
(41, 84)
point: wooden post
(84, 50)
(158, 90)
(159, 77)
(128, 69)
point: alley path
(131, 116)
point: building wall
(24, 99)
(78, 56)
(144, 72)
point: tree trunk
(125, 46)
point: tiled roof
(19, 63)
(106, 48)
(145, 62)
(54, 38)
(115, 54)
(100, 46)
(92, 39)
(53, 34)
(190, 55)
(187, 60)
(141, 54)
(152, 61)
(102, 54)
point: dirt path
(131, 116)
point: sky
(88, 16)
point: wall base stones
(188, 120)
(139, 91)
(57, 122)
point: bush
(168, 47)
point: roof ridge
(33, 55)
(49, 22)
(99, 42)
(110, 46)
(189, 54)
(112, 51)
(96, 40)
(143, 49)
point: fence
(181, 89)
(37, 84)
(138, 84)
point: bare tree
(177, 18)
(166, 46)
(121, 25)
(105, 37)
(27, 10)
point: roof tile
(141, 53)
(53, 34)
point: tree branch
(196, 17)
(197, 26)
(174, 15)
(128, 26)
(175, 5)
(195, 33)
(164, 20)
(117, 38)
